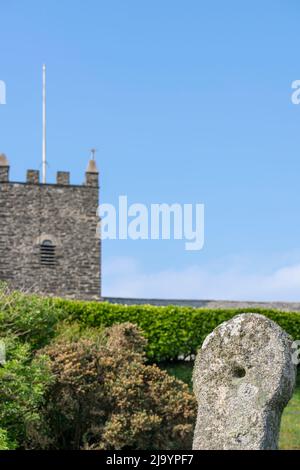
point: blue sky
(186, 102)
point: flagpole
(44, 125)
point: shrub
(22, 384)
(171, 331)
(5, 444)
(105, 397)
(31, 318)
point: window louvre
(47, 253)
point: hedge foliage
(171, 331)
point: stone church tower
(48, 234)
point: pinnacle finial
(92, 167)
(93, 153)
(3, 160)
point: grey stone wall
(31, 213)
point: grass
(290, 423)
(181, 370)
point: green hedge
(171, 331)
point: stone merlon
(4, 168)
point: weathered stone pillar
(243, 378)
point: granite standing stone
(243, 378)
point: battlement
(62, 177)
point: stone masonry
(48, 241)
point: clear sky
(186, 101)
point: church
(48, 234)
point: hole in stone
(238, 372)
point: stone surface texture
(243, 378)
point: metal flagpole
(44, 124)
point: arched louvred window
(47, 253)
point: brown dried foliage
(106, 397)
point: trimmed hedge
(171, 331)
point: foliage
(5, 444)
(96, 390)
(31, 318)
(105, 397)
(182, 370)
(22, 384)
(171, 331)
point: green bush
(23, 381)
(171, 331)
(5, 444)
(31, 318)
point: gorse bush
(104, 396)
